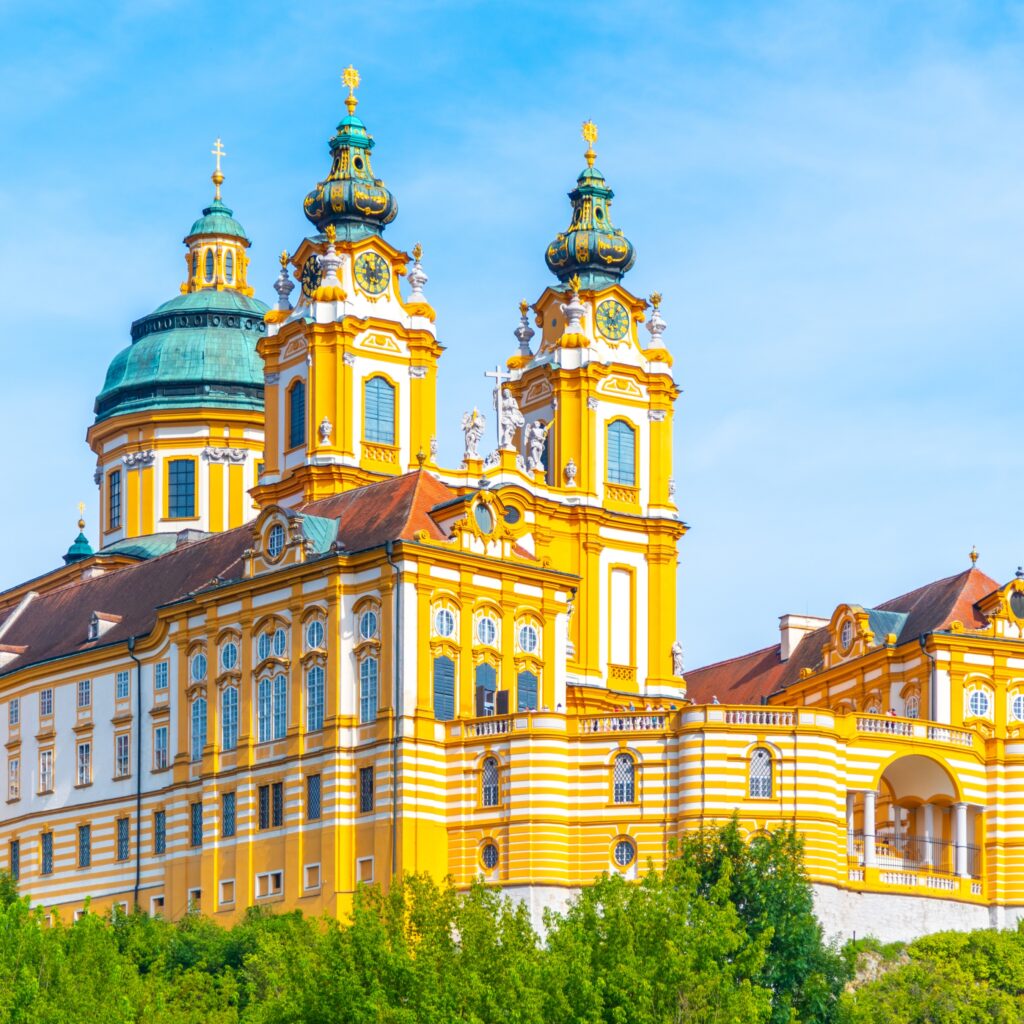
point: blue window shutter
(297, 415)
(486, 677)
(526, 692)
(444, 689)
(380, 411)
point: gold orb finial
(284, 257)
(350, 79)
(332, 234)
(590, 137)
(421, 457)
(217, 177)
(417, 251)
(656, 300)
(974, 555)
(81, 515)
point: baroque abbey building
(306, 655)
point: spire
(591, 246)
(350, 197)
(217, 177)
(80, 548)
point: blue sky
(829, 195)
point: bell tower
(351, 368)
(607, 397)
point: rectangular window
(364, 870)
(46, 854)
(161, 757)
(84, 693)
(196, 823)
(277, 804)
(280, 707)
(160, 675)
(122, 758)
(15, 859)
(14, 778)
(263, 711)
(181, 489)
(160, 832)
(45, 703)
(156, 905)
(366, 789)
(264, 807)
(270, 883)
(122, 839)
(84, 763)
(114, 499)
(311, 876)
(45, 771)
(14, 711)
(121, 688)
(621, 454)
(297, 414)
(227, 815)
(380, 411)
(84, 846)
(526, 691)
(313, 797)
(368, 690)
(227, 891)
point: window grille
(46, 859)
(198, 727)
(625, 851)
(366, 789)
(315, 699)
(160, 832)
(121, 686)
(313, 797)
(84, 846)
(264, 806)
(489, 856)
(490, 782)
(122, 838)
(227, 815)
(196, 822)
(526, 691)
(15, 859)
(380, 411)
(229, 718)
(624, 779)
(297, 415)
(114, 499)
(368, 690)
(621, 454)
(444, 689)
(277, 808)
(761, 774)
(181, 489)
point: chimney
(793, 628)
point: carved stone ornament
(235, 455)
(349, 359)
(97, 475)
(133, 459)
(536, 436)
(326, 428)
(511, 419)
(570, 473)
(270, 379)
(433, 449)
(473, 425)
(656, 415)
(677, 659)
(671, 486)
(592, 404)
(417, 372)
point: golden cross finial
(284, 257)
(523, 307)
(217, 177)
(417, 252)
(350, 79)
(656, 299)
(974, 556)
(81, 515)
(590, 137)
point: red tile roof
(742, 680)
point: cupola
(350, 197)
(591, 247)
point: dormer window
(846, 635)
(484, 517)
(275, 540)
(100, 623)
(1017, 603)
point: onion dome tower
(350, 197)
(178, 433)
(80, 548)
(591, 247)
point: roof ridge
(738, 657)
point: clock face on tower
(612, 319)
(310, 276)
(372, 273)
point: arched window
(761, 774)
(489, 782)
(486, 678)
(368, 670)
(379, 411)
(280, 707)
(263, 708)
(198, 728)
(229, 718)
(209, 264)
(229, 266)
(315, 699)
(624, 779)
(621, 454)
(526, 691)
(297, 415)
(444, 689)
(913, 706)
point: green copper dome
(81, 548)
(350, 197)
(217, 219)
(591, 246)
(198, 350)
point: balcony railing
(758, 716)
(916, 854)
(651, 721)
(912, 728)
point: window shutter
(526, 692)
(444, 689)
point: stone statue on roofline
(511, 419)
(536, 437)
(473, 426)
(677, 659)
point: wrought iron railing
(917, 853)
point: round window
(1017, 706)
(229, 655)
(368, 625)
(484, 517)
(280, 642)
(263, 646)
(625, 852)
(1017, 603)
(486, 630)
(315, 634)
(198, 667)
(846, 635)
(512, 515)
(527, 639)
(444, 622)
(275, 540)
(978, 703)
(489, 856)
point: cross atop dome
(350, 79)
